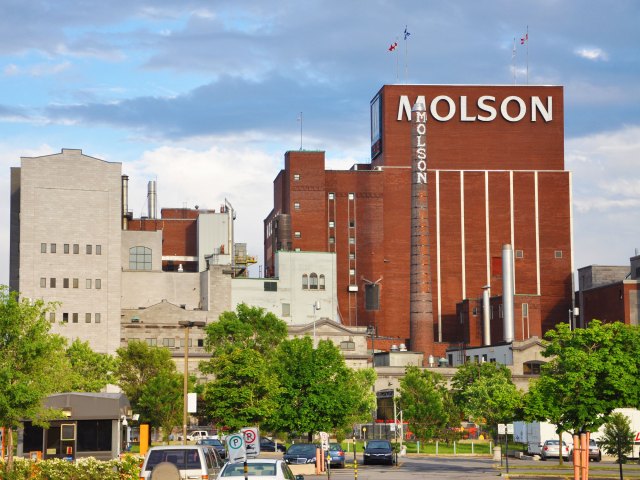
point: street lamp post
(187, 324)
(316, 307)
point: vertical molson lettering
(420, 300)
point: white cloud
(37, 70)
(592, 54)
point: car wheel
(599, 457)
(543, 458)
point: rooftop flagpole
(525, 41)
(393, 49)
(513, 60)
(406, 50)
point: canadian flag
(524, 39)
(393, 46)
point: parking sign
(236, 447)
(252, 441)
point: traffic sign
(324, 440)
(252, 441)
(237, 448)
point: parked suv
(192, 461)
(594, 451)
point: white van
(192, 461)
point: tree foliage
(90, 371)
(137, 364)
(423, 401)
(317, 388)
(591, 372)
(485, 392)
(32, 360)
(161, 402)
(247, 327)
(618, 437)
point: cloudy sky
(205, 95)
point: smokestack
(125, 202)
(507, 292)
(151, 199)
(420, 299)
(486, 315)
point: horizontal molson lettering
(486, 104)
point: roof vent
(403, 347)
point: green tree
(617, 438)
(244, 390)
(137, 364)
(422, 399)
(591, 372)
(32, 361)
(486, 393)
(317, 388)
(247, 327)
(161, 401)
(90, 371)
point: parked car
(192, 461)
(215, 444)
(337, 455)
(195, 435)
(594, 451)
(260, 469)
(378, 451)
(552, 449)
(268, 445)
(301, 453)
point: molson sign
(443, 108)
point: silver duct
(486, 315)
(152, 199)
(507, 292)
(125, 202)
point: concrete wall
(143, 289)
(73, 199)
(149, 239)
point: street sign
(505, 429)
(236, 448)
(251, 441)
(324, 440)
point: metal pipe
(486, 315)
(125, 202)
(507, 292)
(151, 199)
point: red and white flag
(393, 46)
(524, 39)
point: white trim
(511, 219)
(438, 275)
(486, 223)
(573, 285)
(463, 265)
(537, 218)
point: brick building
(495, 170)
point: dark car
(378, 451)
(301, 453)
(268, 445)
(215, 444)
(336, 453)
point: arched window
(321, 282)
(313, 281)
(305, 281)
(139, 258)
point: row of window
(525, 311)
(71, 283)
(556, 254)
(69, 247)
(313, 281)
(171, 342)
(75, 317)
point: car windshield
(334, 447)
(378, 444)
(211, 441)
(302, 448)
(181, 458)
(254, 469)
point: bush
(84, 469)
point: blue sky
(205, 95)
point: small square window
(65, 283)
(97, 318)
(169, 342)
(352, 271)
(296, 205)
(352, 240)
(519, 254)
(286, 309)
(75, 318)
(52, 283)
(352, 196)
(352, 256)
(558, 254)
(332, 240)
(152, 342)
(75, 283)
(76, 248)
(52, 317)
(87, 318)
(98, 284)
(65, 318)
(352, 223)
(296, 177)
(332, 196)
(201, 342)
(43, 282)
(98, 249)
(43, 248)
(89, 249)
(88, 283)
(66, 248)
(53, 248)
(297, 235)
(332, 224)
